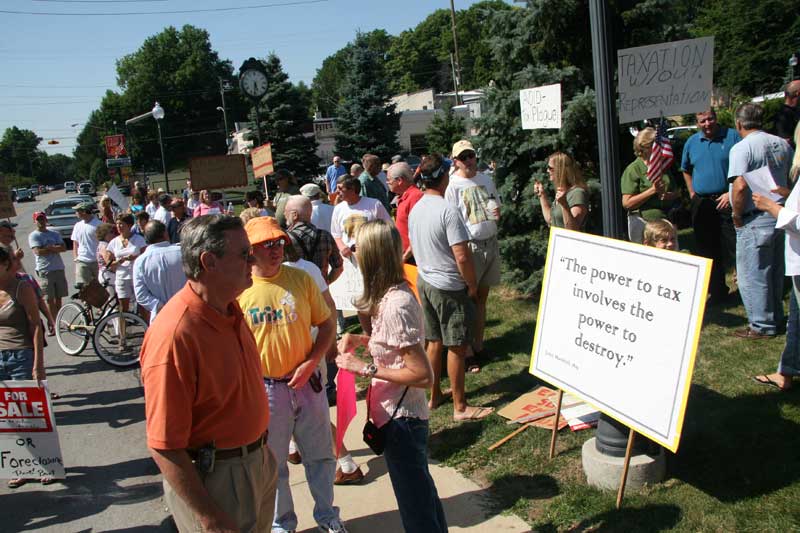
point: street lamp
(158, 114)
(225, 119)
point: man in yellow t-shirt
(280, 308)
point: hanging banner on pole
(541, 107)
(262, 160)
(665, 79)
(618, 326)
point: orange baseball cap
(263, 229)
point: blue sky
(54, 70)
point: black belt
(231, 453)
(712, 196)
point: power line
(173, 12)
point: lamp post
(225, 119)
(158, 114)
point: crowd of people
(242, 319)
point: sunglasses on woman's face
(271, 244)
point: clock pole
(258, 122)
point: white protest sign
(618, 326)
(29, 446)
(665, 79)
(117, 197)
(761, 182)
(541, 107)
(348, 286)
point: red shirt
(404, 206)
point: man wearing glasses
(280, 308)
(475, 196)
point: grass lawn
(735, 470)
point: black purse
(374, 436)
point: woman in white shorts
(123, 251)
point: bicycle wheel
(118, 338)
(72, 328)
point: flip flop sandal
(765, 380)
(478, 413)
(47, 480)
(16, 483)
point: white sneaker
(336, 526)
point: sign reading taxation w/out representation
(29, 445)
(541, 107)
(665, 79)
(618, 326)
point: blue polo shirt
(332, 174)
(707, 160)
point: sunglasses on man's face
(466, 156)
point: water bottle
(229, 210)
(491, 207)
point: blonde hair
(379, 250)
(249, 214)
(643, 142)
(103, 230)
(795, 172)
(658, 230)
(566, 171)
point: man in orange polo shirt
(280, 308)
(204, 398)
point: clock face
(254, 83)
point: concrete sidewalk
(371, 506)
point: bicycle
(116, 335)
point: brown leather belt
(232, 453)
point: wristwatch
(369, 370)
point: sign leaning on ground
(262, 160)
(665, 79)
(6, 203)
(218, 171)
(29, 445)
(618, 326)
(541, 107)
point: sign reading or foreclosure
(29, 446)
(348, 286)
(665, 79)
(541, 107)
(6, 203)
(218, 171)
(262, 160)
(115, 146)
(618, 326)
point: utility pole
(457, 68)
(223, 85)
(455, 78)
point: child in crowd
(660, 234)
(142, 218)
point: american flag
(661, 154)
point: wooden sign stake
(625, 466)
(556, 419)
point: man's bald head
(792, 93)
(301, 206)
(155, 231)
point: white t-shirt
(84, 234)
(163, 215)
(348, 218)
(312, 270)
(134, 247)
(321, 215)
(470, 197)
(151, 209)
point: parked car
(86, 187)
(50, 188)
(24, 195)
(61, 216)
(34, 191)
(70, 187)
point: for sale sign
(29, 446)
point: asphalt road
(112, 484)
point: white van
(70, 186)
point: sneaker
(294, 458)
(353, 478)
(336, 526)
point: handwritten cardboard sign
(618, 327)
(665, 79)
(29, 446)
(6, 204)
(262, 160)
(218, 171)
(541, 107)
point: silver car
(61, 216)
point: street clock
(253, 79)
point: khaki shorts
(243, 487)
(486, 258)
(53, 283)
(85, 272)
(449, 315)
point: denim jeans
(16, 365)
(760, 267)
(790, 358)
(304, 414)
(406, 455)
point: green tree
(444, 130)
(19, 153)
(366, 121)
(285, 121)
